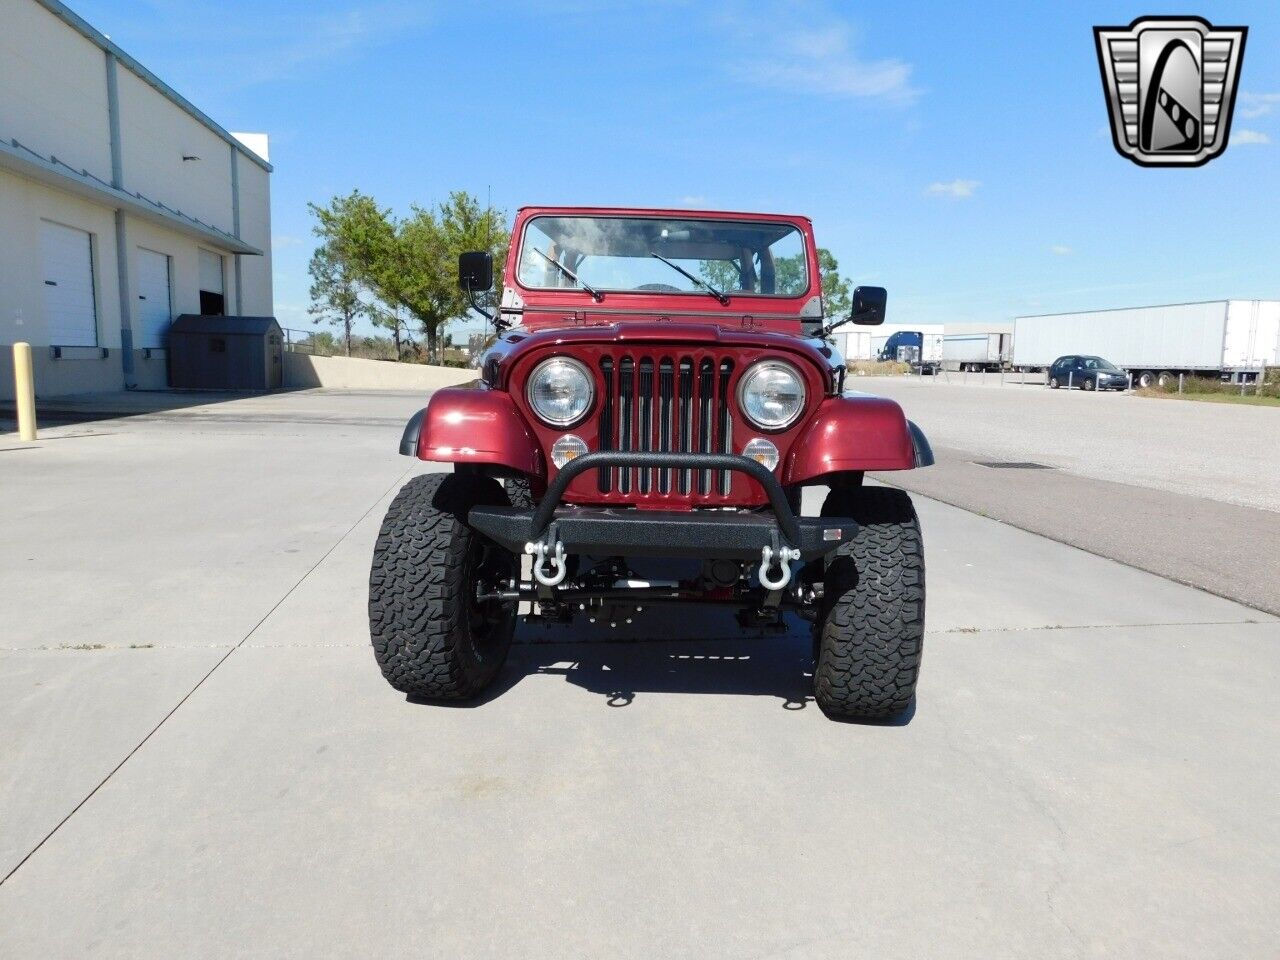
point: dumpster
(225, 353)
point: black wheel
(871, 631)
(431, 634)
(1053, 383)
(1165, 379)
(1089, 383)
(1146, 379)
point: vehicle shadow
(778, 666)
(732, 661)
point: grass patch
(879, 368)
(1266, 400)
(1265, 394)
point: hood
(652, 329)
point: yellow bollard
(24, 386)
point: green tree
(788, 271)
(724, 275)
(393, 319)
(837, 297)
(335, 296)
(837, 294)
(412, 264)
(351, 238)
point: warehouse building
(122, 206)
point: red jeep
(663, 386)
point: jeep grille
(666, 403)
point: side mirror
(868, 306)
(475, 271)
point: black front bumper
(708, 534)
(705, 534)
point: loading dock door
(213, 301)
(69, 309)
(154, 312)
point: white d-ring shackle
(559, 570)
(767, 556)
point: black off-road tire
(431, 637)
(520, 491)
(871, 631)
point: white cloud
(1061, 250)
(1257, 104)
(954, 189)
(693, 201)
(1249, 136)
(282, 240)
(819, 60)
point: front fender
(856, 432)
(468, 425)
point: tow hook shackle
(548, 555)
(782, 555)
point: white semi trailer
(1233, 339)
(975, 351)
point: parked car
(1087, 373)
(664, 386)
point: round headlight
(771, 395)
(560, 391)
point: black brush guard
(706, 534)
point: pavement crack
(221, 660)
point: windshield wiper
(596, 295)
(724, 300)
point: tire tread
(871, 637)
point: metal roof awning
(18, 159)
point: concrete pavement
(1168, 486)
(204, 761)
(1211, 451)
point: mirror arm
(835, 324)
(471, 298)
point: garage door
(154, 313)
(69, 309)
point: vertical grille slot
(606, 422)
(644, 430)
(626, 402)
(724, 478)
(666, 392)
(686, 419)
(706, 400)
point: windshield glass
(1097, 363)
(648, 255)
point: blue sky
(957, 154)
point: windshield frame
(734, 296)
